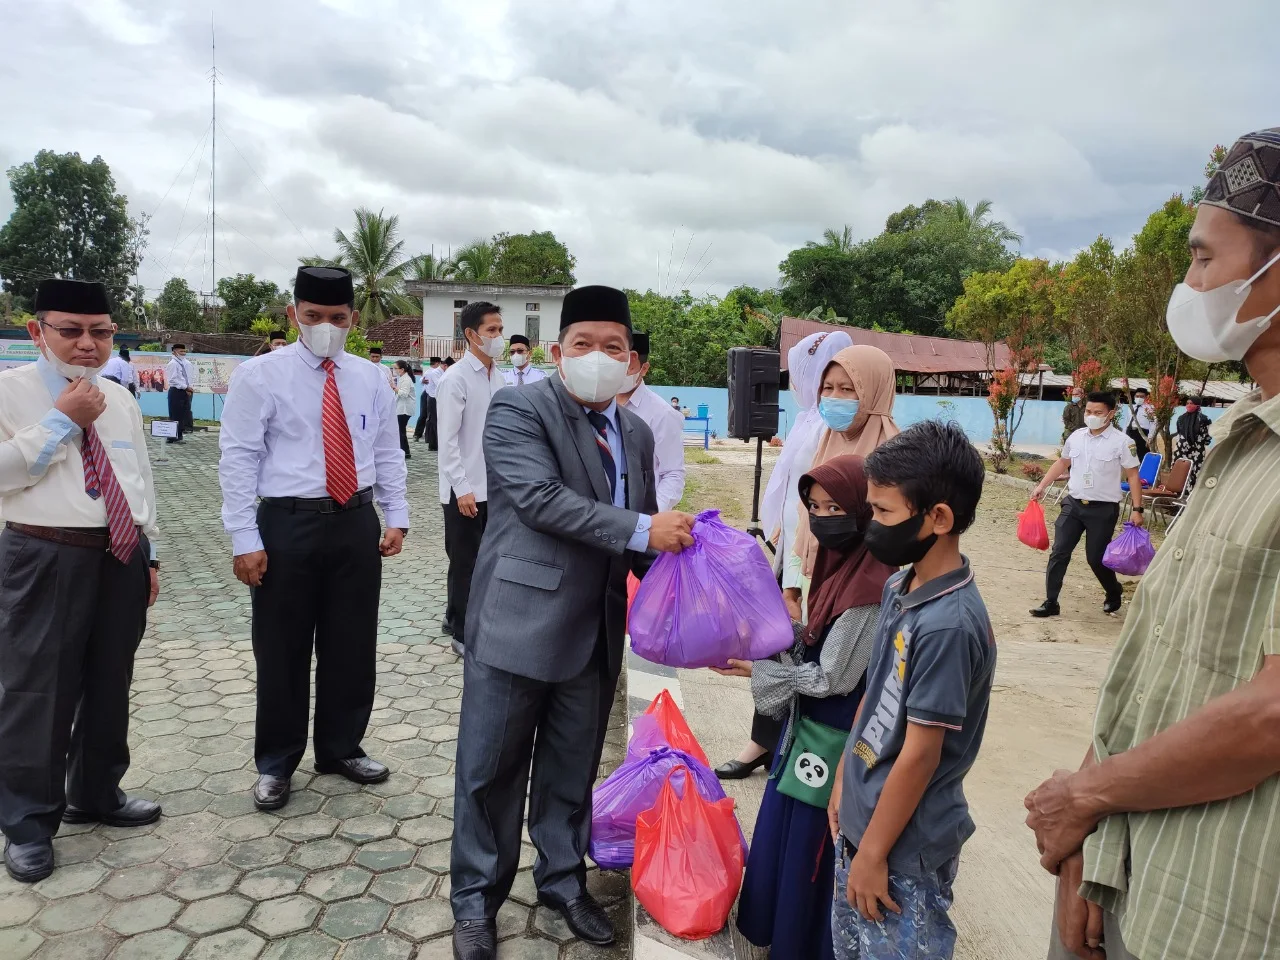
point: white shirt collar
(312, 360)
(610, 413)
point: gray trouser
(1111, 941)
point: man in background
(1142, 423)
(375, 355)
(1073, 413)
(278, 339)
(180, 374)
(120, 370)
(521, 373)
(463, 398)
(426, 426)
(666, 424)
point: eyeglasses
(100, 334)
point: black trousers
(462, 536)
(766, 731)
(71, 619)
(180, 409)
(403, 420)
(320, 591)
(426, 425)
(516, 736)
(1096, 521)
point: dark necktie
(601, 424)
(100, 481)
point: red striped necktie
(339, 460)
(100, 481)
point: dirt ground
(1047, 679)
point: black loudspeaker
(754, 378)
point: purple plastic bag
(631, 790)
(718, 600)
(646, 737)
(1131, 552)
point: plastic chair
(1148, 472)
(1168, 499)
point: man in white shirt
(666, 424)
(462, 402)
(375, 355)
(521, 373)
(80, 510)
(121, 371)
(1097, 456)
(180, 374)
(426, 425)
(1142, 424)
(311, 429)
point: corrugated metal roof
(910, 353)
(1227, 391)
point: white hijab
(806, 362)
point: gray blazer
(552, 568)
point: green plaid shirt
(1199, 883)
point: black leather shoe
(475, 940)
(29, 862)
(446, 628)
(134, 812)
(1113, 606)
(737, 770)
(1049, 608)
(585, 917)
(271, 793)
(356, 769)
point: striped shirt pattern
(1203, 882)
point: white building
(531, 309)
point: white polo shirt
(1098, 462)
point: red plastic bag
(1031, 528)
(674, 727)
(632, 586)
(688, 863)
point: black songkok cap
(519, 338)
(435, 360)
(278, 335)
(72, 296)
(325, 286)
(1248, 181)
(640, 344)
(595, 303)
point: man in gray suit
(572, 508)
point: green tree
(689, 338)
(68, 221)
(428, 266)
(818, 275)
(177, 307)
(532, 258)
(374, 253)
(1216, 156)
(1084, 303)
(475, 262)
(244, 297)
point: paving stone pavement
(347, 872)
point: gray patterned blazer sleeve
(840, 666)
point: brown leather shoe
(271, 793)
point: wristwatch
(1139, 509)
(155, 564)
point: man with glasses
(77, 573)
(521, 372)
(181, 376)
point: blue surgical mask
(838, 414)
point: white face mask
(630, 384)
(1203, 322)
(520, 359)
(324, 339)
(594, 378)
(1096, 423)
(72, 371)
(493, 347)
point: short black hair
(124, 353)
(1141, 390)
(1104, 397)
(278, 335)
(177, 346)
(932, 463)
(449, 361)
(1266, 237)
(473, 314)
(377, 350)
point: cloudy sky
(642, 132)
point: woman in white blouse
(406, 401)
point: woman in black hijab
(1192, 439)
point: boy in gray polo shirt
(898, 812)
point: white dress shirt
(272, 441)
(667, 426)
(639, 541)
(431, 380)
(41, 472)
(122, 370)
(406, 396)
(1098, 462)
(462, 403)
(180, 372)
(531, 374)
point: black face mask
(838, 534)
(896, 545)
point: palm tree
(373, 254)
(428, 266)
(840, 241)
(474, 263)
(976, 220)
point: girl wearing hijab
(780, 508)
(406, 401)
(1192, 440)
(856, 407)
(815, 688)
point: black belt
(1096, 503)
(321, 504)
